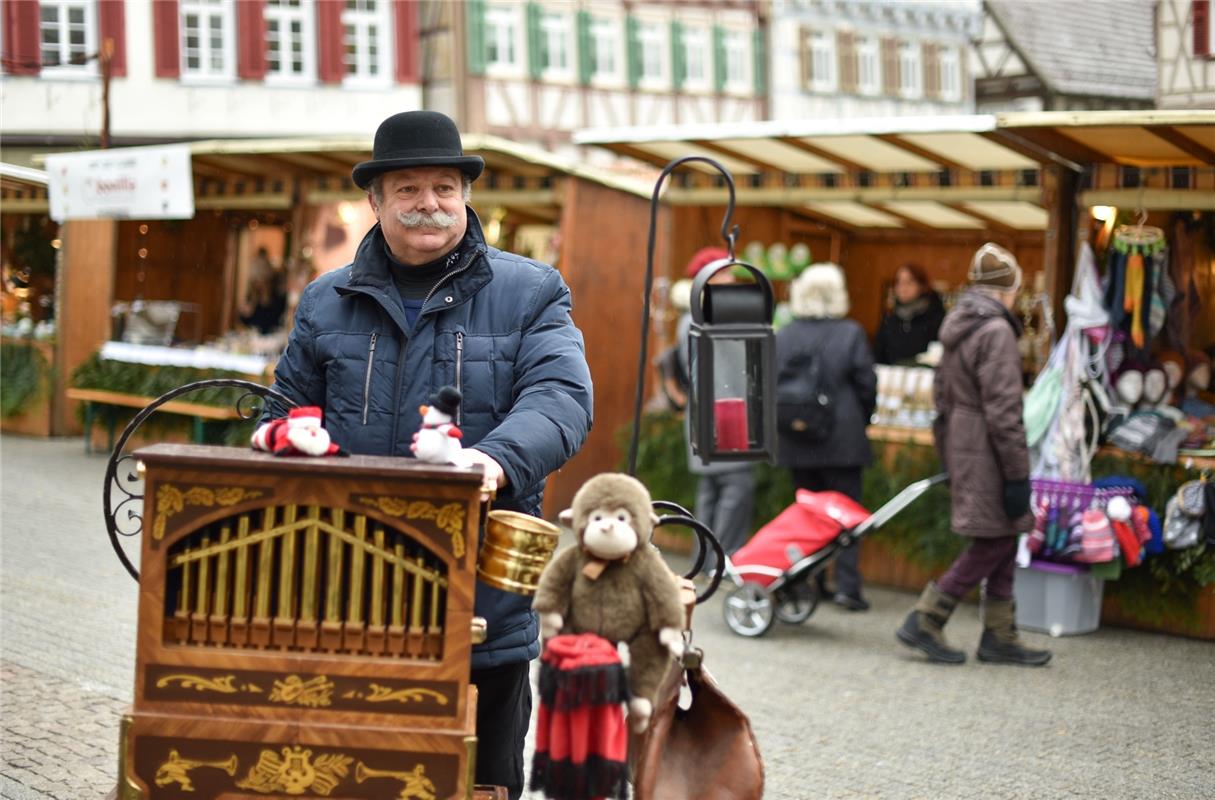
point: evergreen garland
(23, 377)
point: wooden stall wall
(176, 260)
(85, 288)
(603, 245)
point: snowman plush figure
(438, 440)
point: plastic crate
(1059, 599)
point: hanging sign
(124, 183)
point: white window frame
(505, 27)
(949, 74)
(64, 69)
(911, 70)
(224, 11)
(697, 42)
(284, 16)
(607, 30)
(868, 50)
(363, 22)
(736, 44)
(654, 41)
(557, 30)
(823, 61)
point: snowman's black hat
(446, 400)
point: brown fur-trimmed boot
(923, 627)
(1000, 643)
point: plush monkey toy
(613, 583)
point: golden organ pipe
(358, 557)
(240, 589)
(415, 613)
(204, 579)
(311, 576)
(265, 567)
(377, 577)
(221, 574)
(398, 586)
(434, 605)
(333, 584)
(183, 596)
(286, 564)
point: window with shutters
(697, 50)
(653, 40)
(822, 62)
(950, 72)
(556, 34)
(868, 65)
(606, 40)
(503, 31)
(365, 39)
(911, 77)
(736, 49)
(290, 42)
(68, 35)
(208, 40)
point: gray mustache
(416, 219)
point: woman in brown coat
(981, 440)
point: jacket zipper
(367, 377)
(459, 374)
(451, 260)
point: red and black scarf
(581, 738)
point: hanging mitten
(1097, 539)
(1119, 511)
(1133, 298)
(1140, 525)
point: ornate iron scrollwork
(122, 518)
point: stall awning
(949, 172)
(22, 190)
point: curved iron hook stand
(127, 483)
(730, 234)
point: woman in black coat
(914, 321)
(820, 339)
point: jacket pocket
(367, 376)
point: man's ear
(375, 209)
(566, 517)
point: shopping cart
(773, 573)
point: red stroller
(772, 572)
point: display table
(193, 357)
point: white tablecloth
(196, 357)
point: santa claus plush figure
(438, 440)
(298, 434)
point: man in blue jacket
(427, 303)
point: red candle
(730, 421)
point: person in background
(839, 350)
(913, 322)
(266, 297)
(428, 303)
(980, 438)
(725, 492)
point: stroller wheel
(797, 603)
(749, 610)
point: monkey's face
(610, 533)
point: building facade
(192, 69)
(1185, 52)
(537, 71)
(870, 59)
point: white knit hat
(996, 268)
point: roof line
(1012, 43)
(24, 174)
(948, 123)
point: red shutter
(111, 22)
(251, 40)
(22, 46)
(166, 35)
(408, 40)
(329, 66)
(1201, 14)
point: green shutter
(719, 58)
(586, 53)
(760, 71)
(476, 36)
(632, 51)
(535, 42)
(679, 64)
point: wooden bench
(93, 398)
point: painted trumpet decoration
(416, 784)
(177, 770)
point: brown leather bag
(704, 752)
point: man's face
(422, 212)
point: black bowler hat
(416, 139)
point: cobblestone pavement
(839, 708)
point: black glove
(1016, 498)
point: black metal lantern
(732, 398)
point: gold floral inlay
(416, 784)
(386, 694)
(223, 684)
(313, 693)
(295, 772)
(449, 517)
(177, 770)
(171, 500)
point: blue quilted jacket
(499, 330)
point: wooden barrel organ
(305, 628)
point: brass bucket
(516, 549)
